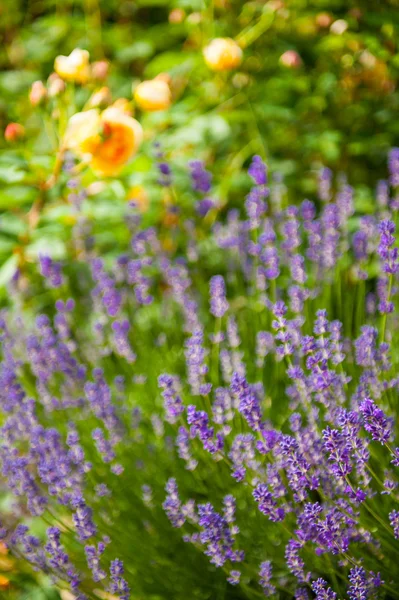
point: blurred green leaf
(11, 174)
(16, 195)
(7, 270)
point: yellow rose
(106, 140)
(83, 133)
(223, 54)
(74, 67)
(153, 95)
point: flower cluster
(254, 378)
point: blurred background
(318, 86)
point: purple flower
(248, 405)
(325, 179)
(82, 519)
(393, 164)
(394, 521)
(195, 360)
(204, 205)
(382, 193)
(375, 421)
(219, 304)
(118, 585)
(322, 591)
(217, 535)
(298, 273)
(104, 446)
(172, 504)
(93, 555)
(172, 401)
(106, 288)
(201, 178)
(359, 589)
(265, 575)
(387, 252)
(51, 270)
(267, 505)
(165, 178)
(121, 340)
(234, 577)
(294, 562)
(339, 451)
(257, 170)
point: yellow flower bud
(101, 97)
(153, 95)
(223, 54)
(74, 67)
(38, 93)
(124, 105)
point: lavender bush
(213, 414)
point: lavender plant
(216, 417)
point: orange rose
(106, 140)
(223, 54)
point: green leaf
(11, 174)
(176, 63)
(46, 245)
(17, 195)
(141, 49)
(8, 269)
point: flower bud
(223, 54)
(177, 15)
(14, 132)
(74, 67)
(97, 187)
(324, 20)
(124, 105)
(38, 93)
(153, 95)
(99, 70)
(291, 59)
(194, 18)
(339, 27)
(101, 97)
(55, 85)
